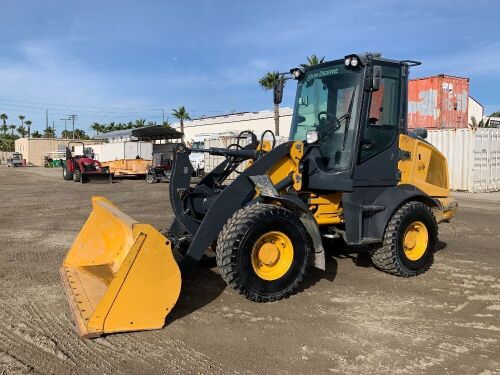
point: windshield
(327, 101)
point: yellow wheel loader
(351, 169)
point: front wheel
(263, 252)
(77, 175)
(150, 179)
(409, 243)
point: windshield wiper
(347, 118)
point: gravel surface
(349, 319)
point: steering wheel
(327, 119)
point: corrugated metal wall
(438, 102)
(473, 157)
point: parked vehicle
(84, 168)
(351, 169)
(16, 160)
(159, 171)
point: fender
(230, 200)
(368, 209)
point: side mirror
(376, 77)
(372, 82)
(278, 91)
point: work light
(297, 73)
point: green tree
(140, 123)
(267, 82)
(4, 118)
(22, 131)
(96, 127)
(313, 60)
(49, 132)
(12, 127)
(36, 134)
(4, 128)
(80, 134)
(495, 114)
(21, 117)
(166, 123)
(181, 114)
(66, 134)
(28, 124)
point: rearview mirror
(372, 81)
(278, 91)
(376, 77)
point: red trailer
(438, 102)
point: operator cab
(350, 112)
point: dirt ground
(349, 319)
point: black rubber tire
(150, 179)
(235, 243)
(67, 174)
(77, 176)
(390, 256)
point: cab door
(378, 148)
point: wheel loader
(350, 169)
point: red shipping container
(438, 102)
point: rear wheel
(77, 175)
(263, 252)
(409, 243)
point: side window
(383, 120)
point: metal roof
(151, 133)
(148, 133)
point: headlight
(354, 62)
(311, 136)
(347, 61)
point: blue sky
(121, 60)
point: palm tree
(12, 127)
(22, 131)
(50, 133)
(4, 118)
(4, 128)
(268, 82)
(313, 60)
(96, 127)
(166, 123)
(36, 134)
(28, 123)
(140, 123)
(21, 117)
(65, 134)
(182, 115)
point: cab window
(381, 129)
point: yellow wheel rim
(272, 255)
(415, 240)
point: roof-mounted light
(355, 61)
(297, 73)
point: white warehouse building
(235, 123)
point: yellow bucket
(119, 275)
